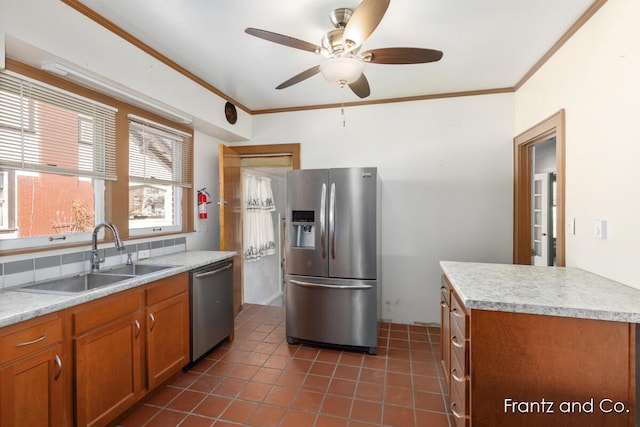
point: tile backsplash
(46, 266)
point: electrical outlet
(143, 254)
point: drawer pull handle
(453, 410)
(454, 341)
(456, 313)
(153, 321)
(456, 377)
(26, 343)
(137, 324)
(58, 363)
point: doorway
(263, 277)
(544, 203)
(231, 162)
(539, 194)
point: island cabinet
(107, 348)
(167, 320)
(33, 372)
(445, 346)
(523, 369)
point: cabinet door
(32, 390)
(107, 370)
(167, 338)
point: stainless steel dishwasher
(211, 304)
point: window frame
(115, 212)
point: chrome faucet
(95, 257)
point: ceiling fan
(344, 63)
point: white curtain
(258, 231)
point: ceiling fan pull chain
(344, 120)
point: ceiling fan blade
(300, 77)
(282, 39)
(365, 19)
(401, 55)
(361, 87)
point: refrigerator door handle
(318, 285)
(323, 232)
(332, 221)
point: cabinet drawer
(458, 408)
(459, 345)
(445, 289)
(22, 341)
(459, 389)
(167, 287)
(103, 311)
(458, 314)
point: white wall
(595, 77)
(446, 170)
(205, 174)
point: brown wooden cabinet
(455, 353)
(96, 359)
(509, 369)
(32, 375)
(108, 345)
(445, 347)
(167, 317)
(127, 344)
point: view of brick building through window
(47, 204)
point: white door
(541, 221)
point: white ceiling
(487, 44)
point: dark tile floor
(260, 380)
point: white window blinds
(46, 129)
(159, 154)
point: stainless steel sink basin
(134, 269)
(74, 284)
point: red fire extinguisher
(202, 203)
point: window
(56, 151)
(159, 170)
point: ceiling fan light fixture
(342, 70)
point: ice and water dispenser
(304, 229)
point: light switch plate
(143, 254)
(600, 229)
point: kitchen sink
(134, 269)
(90, 281)
(74, 284)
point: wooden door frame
(522, 173)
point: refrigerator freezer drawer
(340, 312)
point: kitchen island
(532, 346)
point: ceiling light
(342, 70)
(111, 88)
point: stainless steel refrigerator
(331, 260)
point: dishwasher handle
(212, 272)
(318, 285)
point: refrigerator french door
(331, 281)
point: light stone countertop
(554, 291)
(16, 306)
